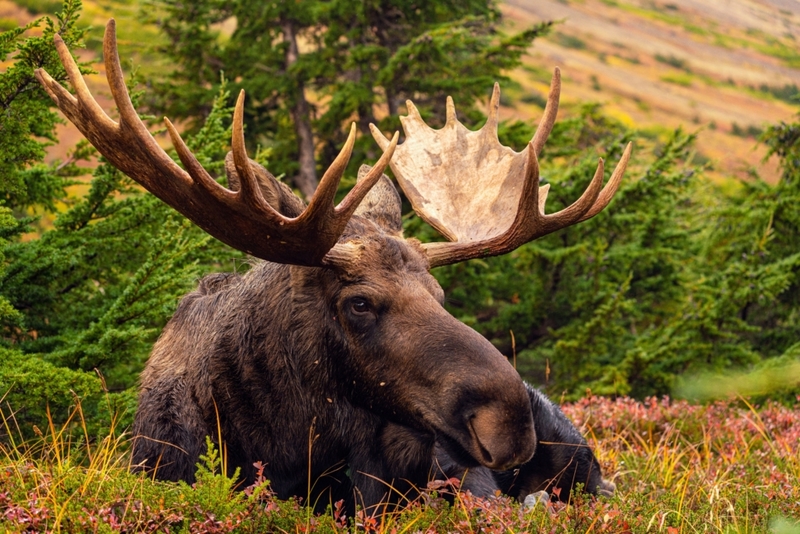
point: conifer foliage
(82, 299)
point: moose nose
(501, 441)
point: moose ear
(382, 204)
(276, 194)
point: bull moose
(338, 340)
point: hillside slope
(726, 68)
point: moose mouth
(483, 440)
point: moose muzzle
(501, 440)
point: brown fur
(293, 372)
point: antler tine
(349, 204)
(543, 191)
(381, 139)
(84, 97)
(450, 112)
(494, 107)
(116, 82)
(249, 191)
(611, 187)
(413, 112)
(193, 167)
(242, 219)
(573, 213)
(550, 112)
(326, 190)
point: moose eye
(360, 306)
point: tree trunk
(306, 179)
(391, 101)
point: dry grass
(723, 467)
(723, 55)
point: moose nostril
(486, 456)
(497, 442)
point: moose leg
(393, 470)
(408, 452)
(169, 434)
(477, 480)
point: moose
(333, 361)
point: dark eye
(360, 306)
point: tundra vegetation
(678, 277)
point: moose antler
(242, 219)
(483, 196)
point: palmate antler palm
(483, 196)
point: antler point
(379, 137)
(111, 28)
(494, 104)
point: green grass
(679, 468)
(783, 48)
(673, 61)
(569, 41)
(7, 24)
(678, 78)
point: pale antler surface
(243, 218)
(483, 196)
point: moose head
(302, 362)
